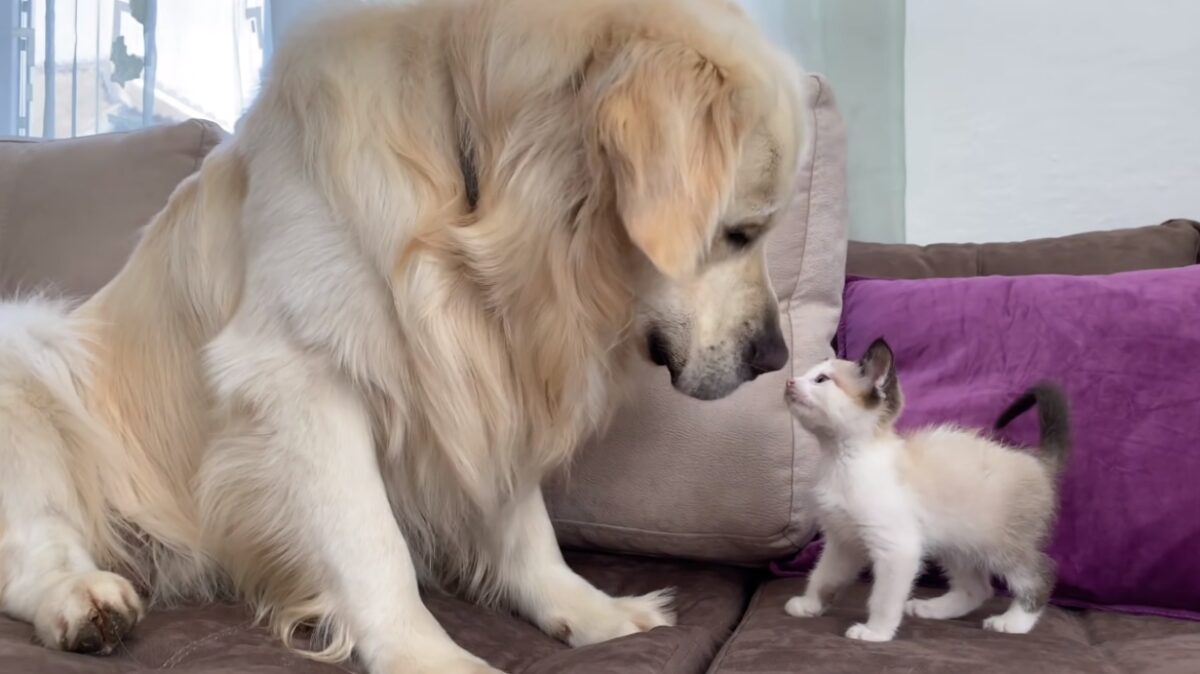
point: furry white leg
(556, 599)
(895, 569)
(47, 574)
(840, 564)
(970, 587)
(323, 501)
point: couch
(70, 212)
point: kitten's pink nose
(789, 389)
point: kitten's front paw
(861, 632)
(804, 607)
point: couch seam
(671, 659)
(720, 656)
(1109, 664)
(657, 532)
(178, 656)
(812, 177)
(786, 531)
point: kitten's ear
(878, 364)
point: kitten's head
(839, 398)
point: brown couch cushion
(1064, 642)
(721, 480)
(70, 210)
(220, 639)
(1175, 243)
(709, 600)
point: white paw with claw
(88, 612)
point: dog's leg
(47, 575)
(543, 588)
(303, 487)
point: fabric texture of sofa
(69, 213)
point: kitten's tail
(1053, 420)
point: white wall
(859, 46)
(1029, 118)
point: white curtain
(859, 46)
(78, 67)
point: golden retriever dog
(341, 360)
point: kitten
(974, 505)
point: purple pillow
(1126, 348)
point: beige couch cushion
(721, 480)
(70, 210)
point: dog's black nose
(768, 351)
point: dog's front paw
(607, 618)
(804, 607)
(861, 632)
(648, 611)
(89, 612)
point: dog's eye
(821, 379)
(737, 238)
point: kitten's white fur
(976, 506)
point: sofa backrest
(71, 210)
(1174, 243)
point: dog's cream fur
(343, 357)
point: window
(79, 67)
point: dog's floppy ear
(665, 123)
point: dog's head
(698, 131)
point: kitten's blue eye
(821, 379)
